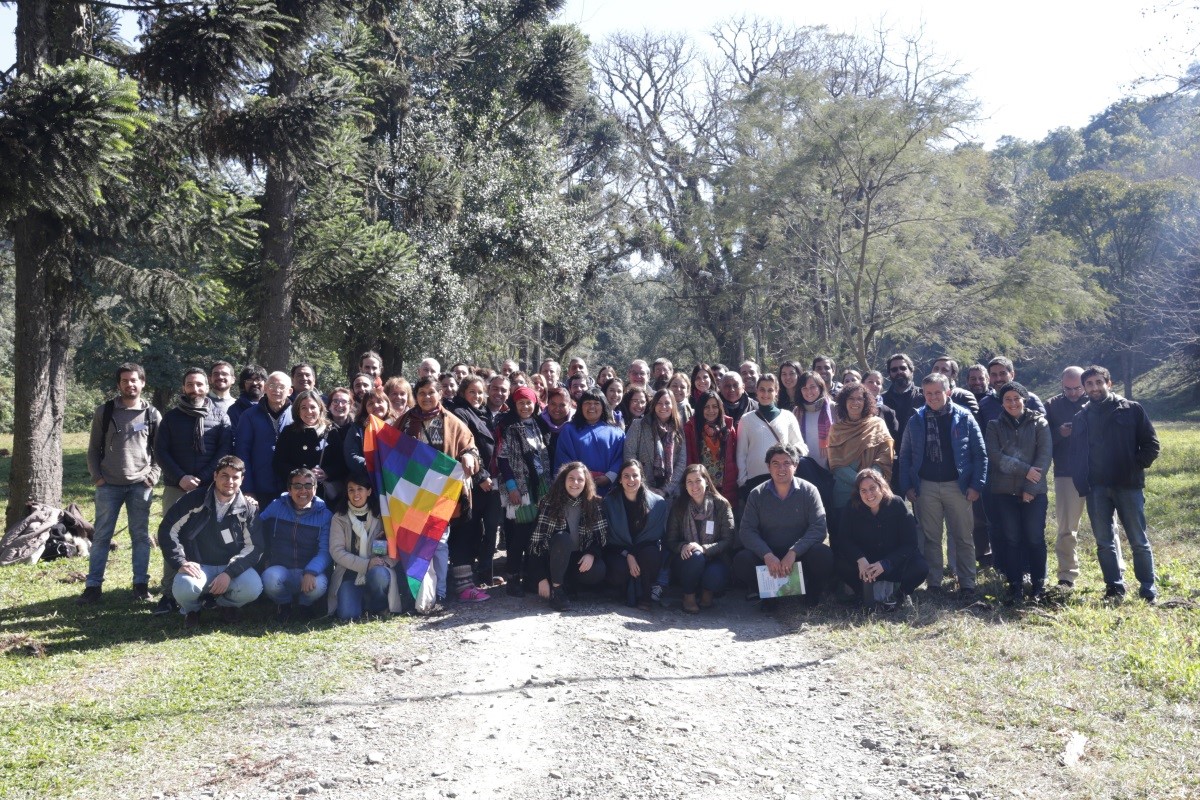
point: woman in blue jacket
(594, 438)
(637, 523)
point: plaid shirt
(591, 538)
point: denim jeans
(373, 594)
(243, 589)
(1023, 528)
(109, 498)
(696, 572)
(441, 564)
(1129, 505)
(282, 584)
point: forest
(271, 180)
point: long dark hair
(606, 415)
(786, 401)
(673, 423)
(640, 498)
(699, 415)
(869, 474)
(627, 415)
(323, 413)
(362, 479)
(710, 488)
(554, 504)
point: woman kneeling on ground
(637, 523)
(699, 539)
(878, 539)
(568, 537)
(363, 575)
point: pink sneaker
(473, 595)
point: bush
(81, 405)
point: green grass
(1006, 687)
(1011, 685)
(94, 698)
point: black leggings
(649, 561)
(562, 564)
(473, 539)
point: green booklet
(769, 586)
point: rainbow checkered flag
(418, 487)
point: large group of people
(712, 481)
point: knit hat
(524, 393)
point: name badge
(226, 536)
(141, 426)
(710, 528)
(379, 547)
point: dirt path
(508, 700)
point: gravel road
(507, 699)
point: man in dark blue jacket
(1113, 443)
(251, 383)
(295, 531)
(257, 431)
(211, 545)
(194, 435)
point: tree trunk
(279, 249)
(281, 195)
(46, 33)
(42, 347)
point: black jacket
(889, 537)
(175, 445)
(190, 527)
(485, 438)
(1130, 443)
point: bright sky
(1035, 66)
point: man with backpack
(122, 465)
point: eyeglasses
(901, 368)
(304, 487)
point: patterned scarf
(425, 425)
(699, 515)
(933, 442)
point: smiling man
(257, 431)
(124, 470)
(194, 436)
(1113, 443)
(943, 469)
(209, 543)
(294, 529)
(784, 523)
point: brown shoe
(689, 604)
(706, 598)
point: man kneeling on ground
(784, 523)
(211, 544)
(295, 531)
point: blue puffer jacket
(970, 456)
(296, 539)
(254, 444)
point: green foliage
(64, 134)
(207, 53)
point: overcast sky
(1035, 65)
